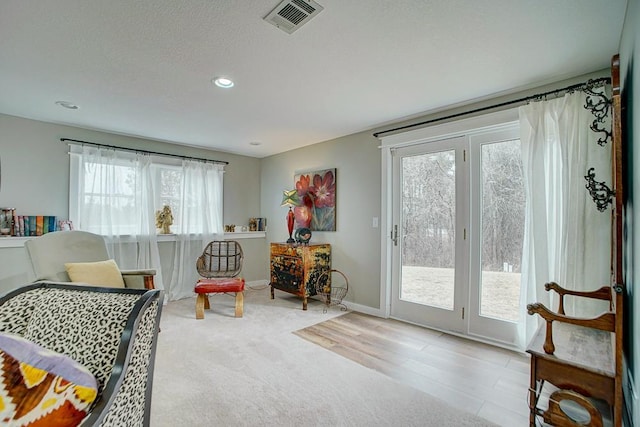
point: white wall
(35, 181)
(355, 244)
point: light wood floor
(487, 381)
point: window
(501, 210)
(118, 193)
(168, 185)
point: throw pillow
(39, 387)
(100, 273)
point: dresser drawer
(287, 272)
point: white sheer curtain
(116, 200)
(567, 240)
(199, 221)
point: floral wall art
(316, 201)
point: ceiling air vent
(293, 14)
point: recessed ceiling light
(223, 82)
(67, 104)
(255, 143)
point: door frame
(418, 136)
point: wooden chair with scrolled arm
(582, 357)
(579, 356)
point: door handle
(394, 235)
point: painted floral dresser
(298, 269)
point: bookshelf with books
(34, 225)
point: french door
(458, 225)
(430, 214)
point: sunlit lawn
(434, 286)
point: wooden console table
(297, 268)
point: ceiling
(144, 68)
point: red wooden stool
(217, 286)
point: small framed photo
(66, 225)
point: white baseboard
(257, 283)
(364, 309)
(350, 305)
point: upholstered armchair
(111, 333)
(50, 252)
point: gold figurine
(164, 219)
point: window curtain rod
(135, 150)
(579, 86)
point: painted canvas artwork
(316, 200)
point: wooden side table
(296, 269)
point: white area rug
(253, 371)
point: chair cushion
(41, 387)
(100, 273)
(227, 284)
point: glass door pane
(502, 225)
(428, 227)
